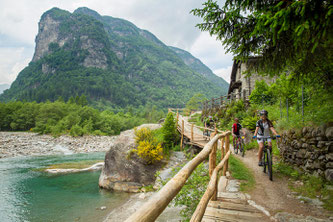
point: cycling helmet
(263, 112)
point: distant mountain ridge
(112, 62)
(199, 67)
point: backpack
(261, 125)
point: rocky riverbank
(26, 144)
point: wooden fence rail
(155, 206)
(223, 100)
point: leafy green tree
(296, 35)
(83, 100)
(262, 94)
(169, 131)
(195, 102)
(71, 100)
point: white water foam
(63, 149)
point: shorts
(260, 140)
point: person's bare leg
(261, 146)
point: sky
(170, 21)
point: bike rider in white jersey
(263, 126)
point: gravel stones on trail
(25, 144)
(287, 217)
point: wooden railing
(188, 129)
(223, 100)
(155, 206)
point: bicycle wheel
(269, 165)
(242, 148)
(236, 148)
(264, 160)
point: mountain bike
(267, 158)
(239, 145)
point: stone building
(241, 84)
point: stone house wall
(240, 83)
(310, 149)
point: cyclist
(236, 127)
(209, 124)
(262, 130)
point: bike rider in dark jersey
(263, 126)
(236, 127)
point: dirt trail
(275, 195)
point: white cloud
(169, 20)
(13, 60)
(211, 52)
(224, 73)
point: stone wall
(310, 149)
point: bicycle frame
(267, 157)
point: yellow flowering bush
(149, 152)
(148, 148)
(143, 134)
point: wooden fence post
(222, 152)
(177, 118)
(182, 139)
(227, 144)
(222, 148)
(212, 165)
(192, 132)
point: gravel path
(276, 197)
(26, 144)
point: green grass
(275, 150)
(313, 187)
(240, 172)
(158, 134)
(251, 145)
(74, 165)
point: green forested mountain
(201, 68)
(109, 60)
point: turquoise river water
(28, 194)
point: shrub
(249, 122)
(148, 147)
(169, 132)
(149, 151)
(76, 130)
(143, 134)
(191, 193)
(262, 94)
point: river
(29, 194)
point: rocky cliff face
(48, 32)
(51, 32)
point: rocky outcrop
(50, 31)
(127, 174)
(311, 149)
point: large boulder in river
(122, 173)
